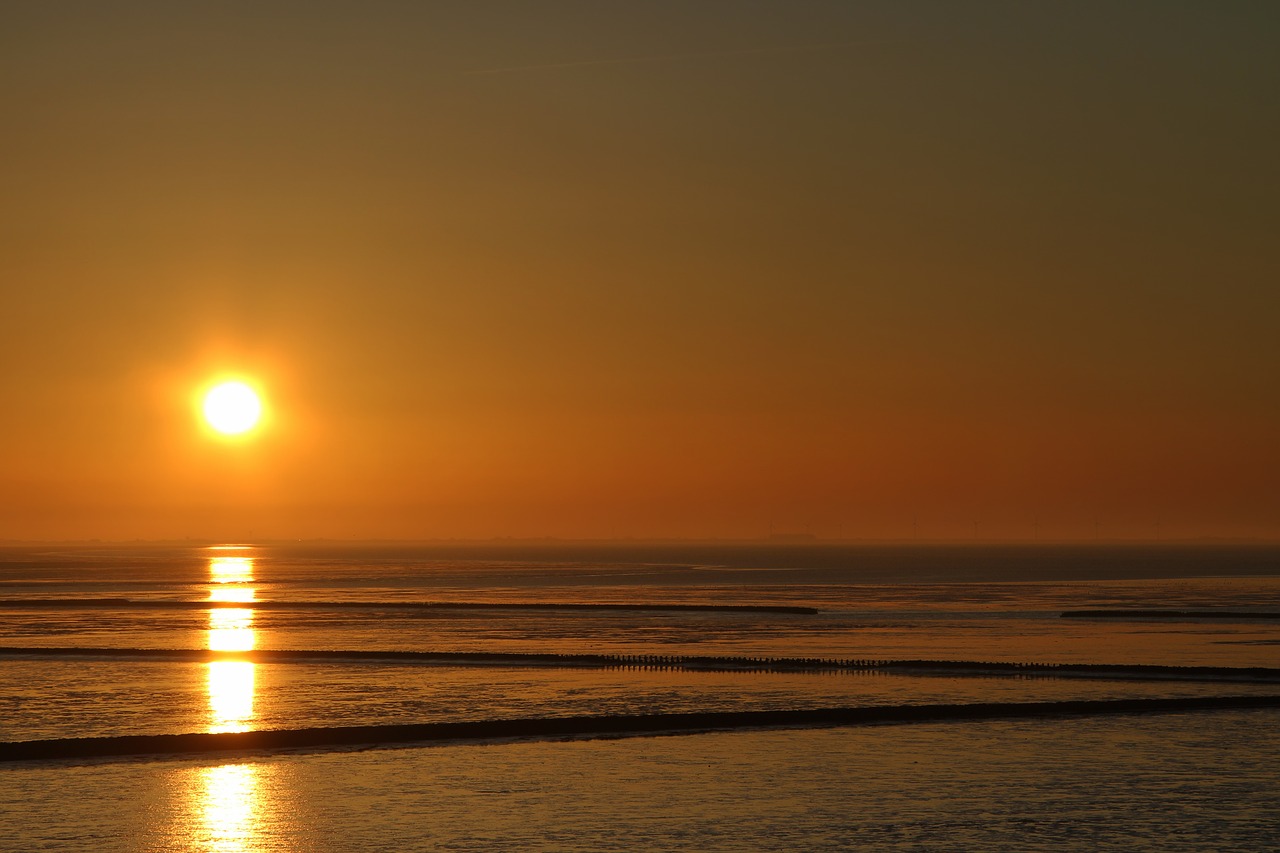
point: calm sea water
(1194, 781)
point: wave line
(183, 604)
(1255, 674)
(618, 725)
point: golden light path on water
(229, 806)
(229, 793)
(231, 630)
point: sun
(232, 408)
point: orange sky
(667, 269)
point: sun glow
(232, 408)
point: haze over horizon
(993, 270)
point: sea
(107, 649)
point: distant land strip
(691, 662)
(616, 725)
(1123, 613)
(177, 604)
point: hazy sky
(691, 268)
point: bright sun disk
(232, 408)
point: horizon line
(790, 540)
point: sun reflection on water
(231, 569)
(229, 794)
(231, 682)
(230, 695)
(228, 804)
(231, 629)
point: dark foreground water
(1172, 781)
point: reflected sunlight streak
(230, 695)
(231, 569)
(230, 795)
(231, 593)
(231, 682)
(231, 629)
